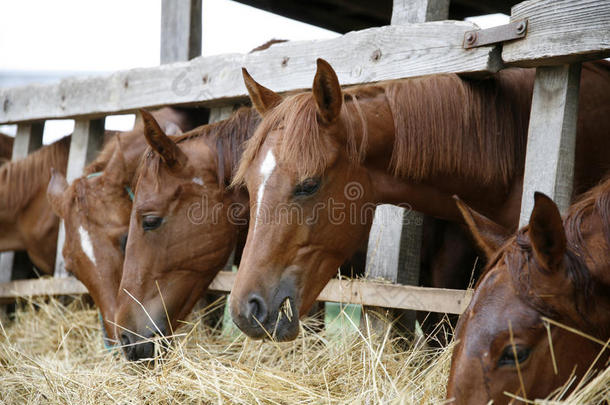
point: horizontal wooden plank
(42, 286)
(347, 291)
(559, 32)
(365, 56)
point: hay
(53, 354)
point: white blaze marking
(266, 169)
(86, 244)
(198, 180)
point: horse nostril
(125, 341)
(257, 308)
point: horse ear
(487, 234)
(546, 232)
(327, 92)
(262, 98)
(55, 192)
(171, 154)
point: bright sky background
(69, 37)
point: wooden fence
(559, 35)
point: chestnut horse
(552, 269)
(96, 207)
(182, 228)
(329, 156)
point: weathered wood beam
(86, 142)
(560, 31)
(180, 30)
(353, 292)
(27, 140)
(370, 55)
(551, 142)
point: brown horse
(182, 228)
(96, 208)
(26, 219)
(320, 161)
(552, 269)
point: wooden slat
(86, 142)
(416, 11)
(359, 57)
(560, 31)
(180, 30)
(27, 140)
(551, 142)
(395, 239)
(352, 292)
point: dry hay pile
(53, 354)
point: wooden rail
(348, 291)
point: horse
(95, 209)
(550, 276)
(183, 226)
(321, 161)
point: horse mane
(227, 137)
(594, 202)
(22, 179)
(444, 125)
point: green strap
(127, 188)
(108, 345)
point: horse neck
(426, 140)
(24, 179)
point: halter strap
(127, 188)
(108, 345)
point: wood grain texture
(370, 55)
(417, 11)
(551, 141)
(560, 31)
(180, 30)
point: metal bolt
(471, 38)
(521, 27)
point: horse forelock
(443, 125)
(521, 264)
(301, 138)
(226, 137)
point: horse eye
(151, 222)
(307, 187)
(508, 355)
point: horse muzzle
(145, 345)
(259, 319)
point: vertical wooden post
(180, 30)
(416, 11)
(86, 142)
(27, 140)
(551, 141)
(396, 234)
